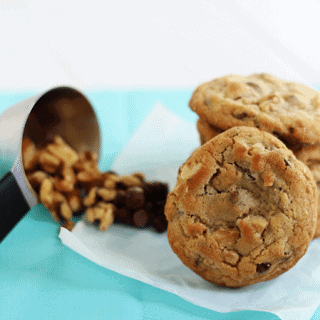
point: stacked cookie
(289, 111)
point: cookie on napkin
(243, 210)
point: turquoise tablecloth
(42, 279)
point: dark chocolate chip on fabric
(159, 224)
(159, 221)
(156, 191)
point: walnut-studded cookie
(288, 110)
(308, 154)
(243, 210)
(206, 131)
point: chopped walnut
(67, 183)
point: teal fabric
(42, 279)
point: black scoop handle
(13, 205)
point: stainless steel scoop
(63, 111)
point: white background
(138, 43)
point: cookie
(288, 110)
(315, 170)
(308, 154)
(206, 131)
(317, 232)
(243, 210)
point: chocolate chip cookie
(288, 110)
(243, 210)
(308, 154)
(206, 131)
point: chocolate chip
(263, 267)
(140, 218)
(160, 224)
(159, 205)
(96, 222)
(120, 200)
(135, 197)
(78, 213)
(148, 206)
(254, 86)
(123, 215)
(159, 221)
(156, 191)
(121, 186)
(197, 261)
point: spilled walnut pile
(69, 184)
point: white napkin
(160, 145)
